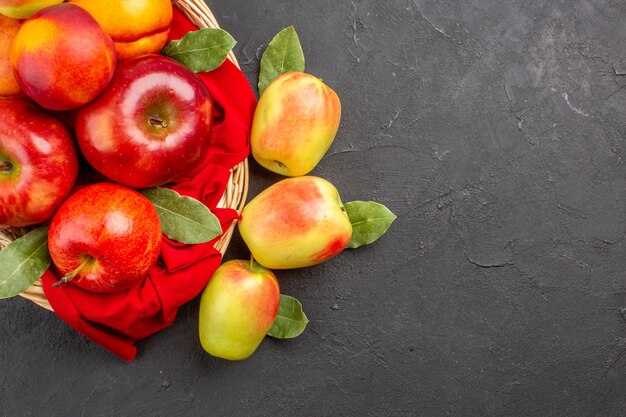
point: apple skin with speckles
(237, 309)
(151, 126)
(296, 222)
(105, 238)
(38, 164)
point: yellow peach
(137, 27)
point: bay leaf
(202, 50)
(370, 220)
(283, 54)
(290, 321)
(183, 219)
(23, 261)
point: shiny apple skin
(237, 309)
(44, 160)
(122, 134)
(115, 228)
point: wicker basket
(236, 190)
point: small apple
(21, 9)
(62, 58)
(294, 124)
(150, 126)
(38, 164)
(237, 309)
(105, 238)
(294, 223)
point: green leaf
(370, 220)
(23, 261)
(290, 321)
(202, 50)
(283, 54)
(183, 219)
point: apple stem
(71, 275)
(251, 261)
(156, 121)
(6, 166)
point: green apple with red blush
(237, 309)
(22, 9)
(295, 223)
(294, 124)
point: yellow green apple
(294, 124)
(237, 309)
(295, 223)
(22, 9)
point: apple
(38, 164)
(294, 124)
(296, 222)
(104, 238)
(62, 58)
(21, 9)
(150, 126)
(237, 309)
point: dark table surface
(496, 131)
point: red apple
(237, 309)
(105, 238)
(38, 164)
(150, 126)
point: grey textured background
(496, 131)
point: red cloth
(117, 321)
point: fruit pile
(140, 120)
(100, 116)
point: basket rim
(199, 13)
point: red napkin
(117, 321)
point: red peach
(62, 58)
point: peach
(21, 9)
(8, 83)
(137, 27)
(62, 58)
